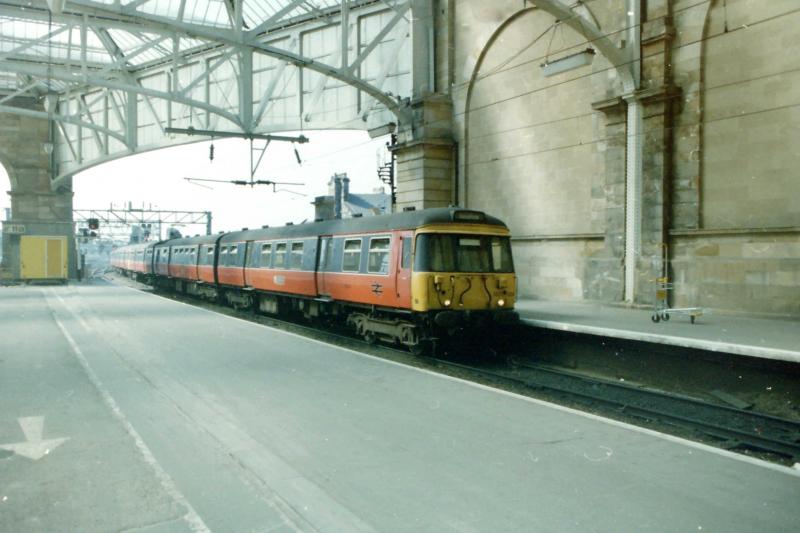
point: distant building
(341, 203)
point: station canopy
(116, 75)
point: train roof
(185, 241)
(133, 247)
(390, 222)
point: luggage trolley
(661, 308)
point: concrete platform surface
(181, 419)
(769, 338)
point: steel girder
(121, 73)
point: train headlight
(501, 302)
(447, 303)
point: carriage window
(266, 255)
(210, 250)
(378, 256)
(406, 253)
(296, 259)
(352, 255)
(280, 255)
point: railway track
(727, 427)
(739, 430)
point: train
(412, 278)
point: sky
(156, 179)
(5, 186)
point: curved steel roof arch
(126, 70)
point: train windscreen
(439, 252)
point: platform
(769, 338)
(133, 412)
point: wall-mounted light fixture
(573, 61)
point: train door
(249, 259)
(324, 253)
(241, 261)
(403, 272)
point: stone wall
(720, 92)
(735, 239)
(532, 148)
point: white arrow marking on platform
(34, 446)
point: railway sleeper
(385, 329)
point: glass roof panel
(28, 38)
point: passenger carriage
(408, 278)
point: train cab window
(296, 257)
(280, 255)
(471, 255)
(378, 259)
(351, 258)
(266, 255)
(501, 255)
(462, 253)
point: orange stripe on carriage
(289, 281)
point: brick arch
(4, 162)
(12, 178)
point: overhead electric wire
(626, 135)
(696, 92)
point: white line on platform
(191, 517)
(78, 317)
(671, 438)
(671, 340)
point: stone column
(605, 271)
(35, 208)
(425, 155)
(657, 96)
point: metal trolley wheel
(655, 318)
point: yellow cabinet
(43, 257)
